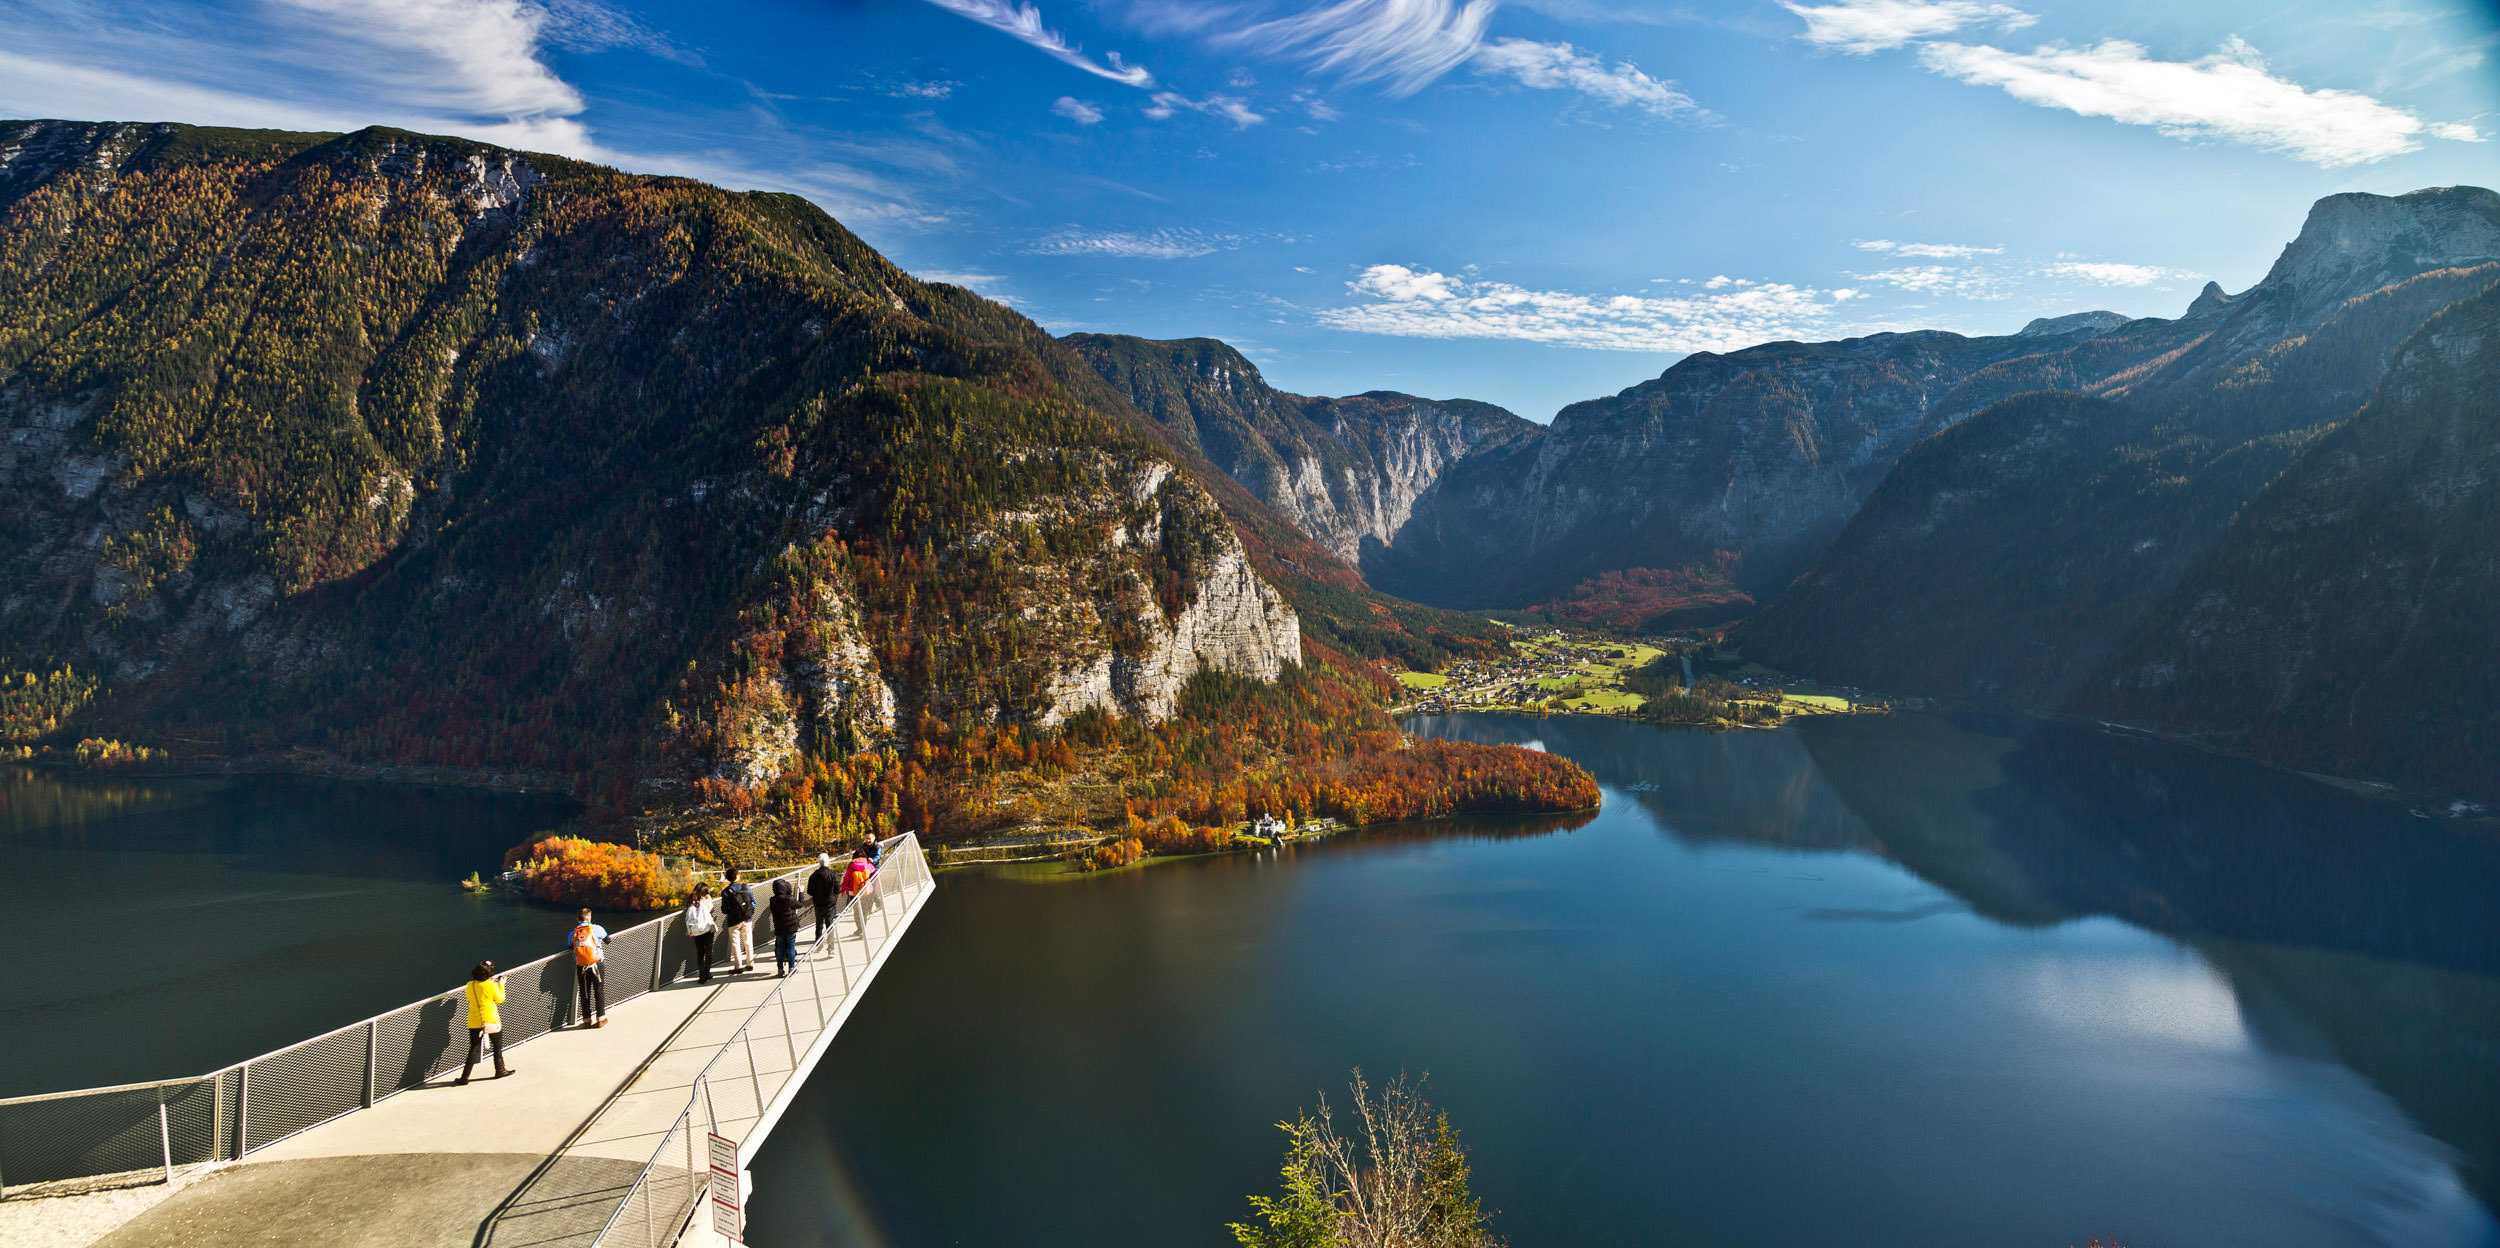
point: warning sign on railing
(725, 1187)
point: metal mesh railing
(744, 1079)
(221, 1116)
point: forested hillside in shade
(2346, 620)
(411, 449)
(2007, 556)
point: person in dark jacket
(821, 885)
(785, 907)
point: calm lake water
(1867, 981)
(167, 927)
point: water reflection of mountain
(385, 831)
(2346, 929)
(1759, 788)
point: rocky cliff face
(2344, 621)
(1345, 471)
(1763, 452)
(415, 449)
(2008, 555)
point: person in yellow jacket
(485, 991)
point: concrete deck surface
(537, 1160)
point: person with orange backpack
(590, 953)
(855, 878)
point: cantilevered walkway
(605, 1137)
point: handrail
(224, 1106)
(899, 851)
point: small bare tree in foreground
(1398, 1181)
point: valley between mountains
(384, 451)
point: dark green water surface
(1867, 982)
(167, 927)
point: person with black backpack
(737, 913)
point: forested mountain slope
(2008, 555)
(2345, 620)
(418, 450)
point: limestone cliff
(1345, 471)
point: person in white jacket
(704, 927)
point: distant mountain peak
(2074, 323)
(2209, 301)
(2356, 242)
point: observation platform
(601, 1136)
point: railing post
(242, 1110)
(373, 1038)
(659, 956)
(753, 1075)
(165, 1132)
(789, 1034)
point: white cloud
(2455, 130)
(2228, 95)
(1165, 244)
(957, 277)
(1024, 22)
(1927, 251)
(1420, 303)
(1396, 281)
(1548, 66)
(1864, 26)
(1076, 110)
(2110, 273)
(1405, 44)
(1231, 108)
(468, 67)
(1940, 279)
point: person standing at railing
(590, 953)
(702, 928)
(485, 991)
(785, 927)
(822, 885)
(737, 910)
(855, 878)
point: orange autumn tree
(570, 871)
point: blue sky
(1525, 201)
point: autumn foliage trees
(570, 871)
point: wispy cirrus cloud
(1076, 110)
(2229, 96)
(1163, 244)
(1551, 66)
(1403, 44)
(469, 67)
(1864, 26)
(1023, 22)
(1422, 303)
(1926, 251)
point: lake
(1869, 981)
(176, 925)
(1906, 980)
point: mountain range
(418, 449)
(1927, 512)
